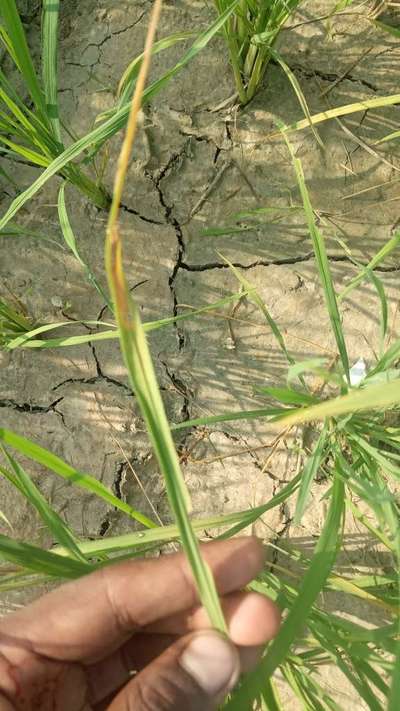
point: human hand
(132, 637)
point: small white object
(358, 372)
(57, 302)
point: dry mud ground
(195, 167)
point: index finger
(87, 619)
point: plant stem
(257, 73)
(241, 27)
(229, 31)
(95, 191)
(234, 56)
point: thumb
(194, 674)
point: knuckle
(151, 699)
(188, 581)
(121, 619)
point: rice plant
(30, 127)
(251, 33)
(356, 422)
(14, 321)
(357, 451)
(36, 126)
(113, 120)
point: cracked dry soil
(195, 167)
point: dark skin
(118, 639)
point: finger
(110, 674)
(89, 618)
(194, 674)
(104, 686)
(252, 620)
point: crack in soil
(253, 454)
(100, 376)
(29, 407)
(105, 377)
(34, 409)
(104, 526)
(278, 262)
(118, 480)
(286, 522)
(131, 288)
(258, 263)
(132, 211)
(129, 27)
(187, 395)
(181, 387)
(91, 381)
(171, 220)
(106, 38)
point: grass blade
(299, 93)
(392, 244)
(388, 358)
(288, 396)
(20, 479)
(16, 231)
(273, 412)
(27, 340)
(390, 137)
(58, 466)
(40, 561)
(163, 534)
(138, 361)
(373, 397)
(270, 698)
(27, 153)
(256, 298)
(50, 13)
(66, 229)
(356, 679)
(128, 79)
(117, 121)
(322, 264)
(383, 321)
(280, 498)
(394, 31)
(16, 35)
(394, 699)
(313, 582)
(70, 240)
(4, 518)
(308, 475)
(345, 110)
(368, 273)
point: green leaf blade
(52, 520)
(40, 561)
(16, 34)
(50, 14)
(322, 264)
(58, 466)
(308, 475)
(313, 581)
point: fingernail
(212, 662)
